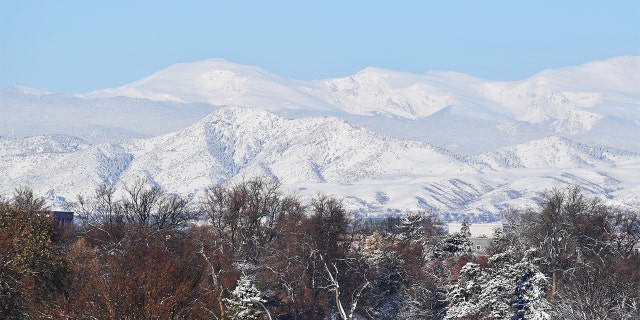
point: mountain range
(385, 141)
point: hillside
(383, 140)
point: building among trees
(480, 234)
(60, 218)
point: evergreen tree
(455, 243)
(531, 284)
(246, 300)
(412, 226)
(508, 291)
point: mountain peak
(194, 68)
(218, 82)
(547, 96)
(377, 131)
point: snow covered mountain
(383, 140)
(27, 112)
(553, 152)
(323, 154)
(576, 96)
(582, 102)
(218, 82)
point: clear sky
(78, 46)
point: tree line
(249, 251)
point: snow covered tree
(600, 291)
(464, 296)
(420, 227)
(246, 301)
(412, 226)
(456, 243)
(585, 249)
(531, 284)
(423, 289)
(386, 273)
(508, 291)
(551, 229)
(421, 301)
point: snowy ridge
(26, 113)
(53, 144)
(383, 140)
(241, 142)
(218, 82)
(566, 94)
(326, 154)
(552, 152)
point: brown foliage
(33, 267)
(146, 275)
(136, 258)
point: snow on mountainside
(581, 102)
(378, 91)
(382, 140)
(584, 92)
(567, 95)
(574, 99)
(587, 103)
(42, 144)
(27, 112)
(218, 82)
(372, 172)
(552, 152)
(245, 142)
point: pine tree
(464, 296)
(531, 284)
(246, 301)
(411, 226)
(508, 291)
(456, 243)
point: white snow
(439, 141)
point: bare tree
(335, 284)
(599, 292)
(245, 215)
(145, 204)
(101, 212)
(551, 229)
(140, 201)
(24, 199)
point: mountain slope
(552, 152)
(27, 112)
(374, 173)
(565, 94)
(229, 144)
(218, 82)
(587, 103)
(382, 140)
(570, 102)
(236, 142)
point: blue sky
(78, 46)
